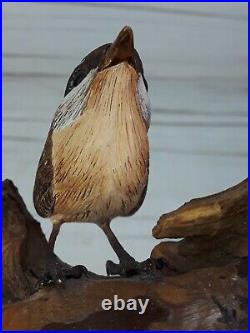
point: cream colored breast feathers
(100, 159)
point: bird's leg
(121, 253)
(128, 265)
(55, 270)
(53, 235)
(52, 269)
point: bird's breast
(100, 160)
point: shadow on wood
(199, 282)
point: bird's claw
(48, 280)
(57, 277)
(129, 268)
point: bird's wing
(142, 197)
(139, 67)
(43, 196)
(140, 202)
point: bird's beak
(121, 49)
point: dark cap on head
(107, 55)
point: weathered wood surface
(206, 216)
(214, 227)
(199, 282)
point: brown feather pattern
(43, 195)
(100, 160)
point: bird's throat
(113, 91)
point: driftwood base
(200, 282)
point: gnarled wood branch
(200, 282)
(206, 216)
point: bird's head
(117, 65)
(108, 55)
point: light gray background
(195, 60)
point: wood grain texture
(208, 215)
(199, 283)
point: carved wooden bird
(95, 162)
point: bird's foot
(56, 275)
(130, 267)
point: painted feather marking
(73, 104)
(91, 61)
(144, 102)
(43, 196)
